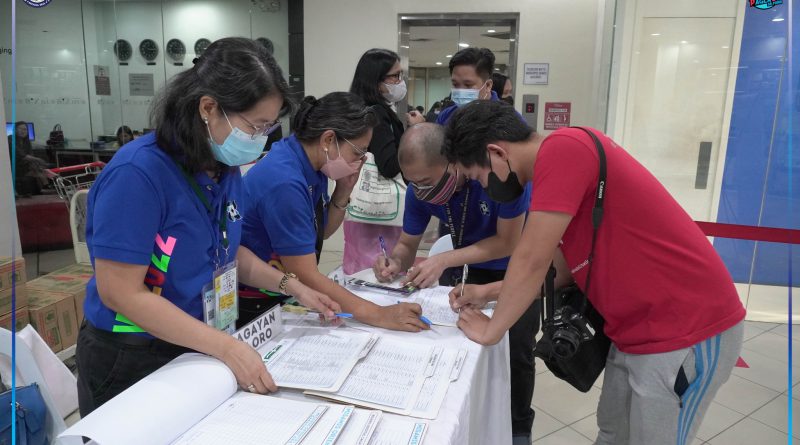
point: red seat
(43, 223)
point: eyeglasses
(396, 77)
(360, 152)
(263, 130)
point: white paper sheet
(251, 419)
(162, 406)
(436, 305)
(389, 378)
(360, 428)
(395, 431)
(434, 388)
(313, 358)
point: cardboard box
(5, 298)
(9, 269)
(70, 280)
(53, 316)
(22, 319)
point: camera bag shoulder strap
(548, 291)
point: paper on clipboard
(389, 378)
(314, 358)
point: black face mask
(509, 100)
(503, 191)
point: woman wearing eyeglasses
(289, 211)
(379, 80)
(163, 221)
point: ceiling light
(655, 34)
(777, 19)
(463, 45)
(449, 56)
(490, 31)
(725, 47)
(512, 40)
(438, 63)
(684, 41)
(405, 46)
(497, 69)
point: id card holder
(226, 296)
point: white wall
(338, 32)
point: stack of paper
(399, 377)
(313, 358)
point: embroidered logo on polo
(233, 212)
(484, 206)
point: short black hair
(478, 124)
(498, 83)
(344, 113)
(237, 72)
(481, 58)
(370, 71)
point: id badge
(226, 296)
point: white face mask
(395, 92)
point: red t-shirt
(656, 279)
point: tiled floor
(751, 408)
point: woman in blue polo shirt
(288, 212)
(165, 216)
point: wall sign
(141, 84)
(536, 74)
(102, 83)
(557, 115)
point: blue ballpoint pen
(383, 249)
(423, 318)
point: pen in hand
(383, 249)
(422, 318)
(464, 273)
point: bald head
(422, 142)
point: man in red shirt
(669, 303)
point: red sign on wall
(556, 115)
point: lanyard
(457, 241)
(222, 221)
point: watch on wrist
(341, 207)
(285, 281)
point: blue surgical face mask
(463, 96)
(239, 148)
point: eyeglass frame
(268, 128)
(361, 154)
(399, 76)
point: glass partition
(92, 66)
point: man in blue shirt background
(484, 233)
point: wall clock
(123, 50)
(200, 46)
(176, 51)
(148, 49)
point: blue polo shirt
(142, 210)
(481, 216)
(445, 114)
(281, 190)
